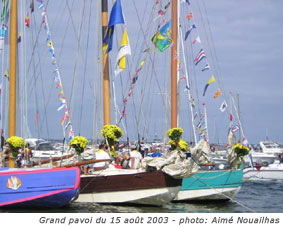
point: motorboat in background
(271, 172)
(268, 153)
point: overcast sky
(242, 40)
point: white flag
(124, 50)
(223, 106)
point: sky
(242, 41)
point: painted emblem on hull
(14, 183)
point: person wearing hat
(136, 157)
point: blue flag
(116, 17)
(189, 31)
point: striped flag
(206, 67)
(235, 128)
(200, 56)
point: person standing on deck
(136, 158)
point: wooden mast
(13, 72)
(174, 4)
(105, 65)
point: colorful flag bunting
(63, 104)
(217, 93)
(6, 74)
(124, 50)
(211, 80)
(61, 93)
(59, 85)
(199, 57)
(36, 117)
(27, 20)
(235, 128)
(189, 31)
(19, 37)
(182, 78)
(116, 17)
(167, 5)
(223, 106)
(245, 141)
(31, 6)
(66, 116)
(186, 1)
(162, 39)
(206, 67)
(197, 40)
(189, 16)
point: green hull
(213, 179)
(211, 185)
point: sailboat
(43, 187)
(125, 185)
(205, 185)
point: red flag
(27, 20)
(231, 117)
(36, 117)
(189, 16)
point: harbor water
(259, 197)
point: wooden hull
(211, 185)
(147, 188)
(44, 188)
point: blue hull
(46, 188)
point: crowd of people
(118, 156)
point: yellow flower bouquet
(183, 145)
(15, 143)
(175, 133)
(111, 133)
(241, 150)
(79, 143)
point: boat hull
(146, 188)
(263, 175)
(211, 185)
(45, 188)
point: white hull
(263, 174)
(155, 197)
(207, 194)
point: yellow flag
(124, 50)
(6, 74)
(212, 79)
